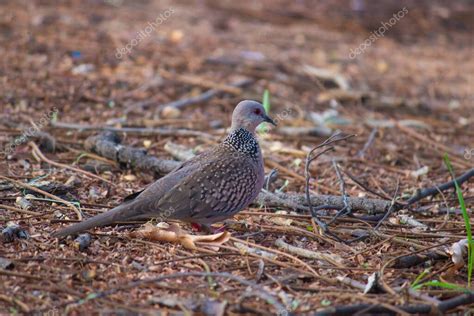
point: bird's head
(249, 114)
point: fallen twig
(369, 143)
(421, 194)
(23, 307)
(415, 259)
(299, 201)
(203, 97)
(442, 307)
(42, 157)
(440, 147)
(392, 205)
(311, 157)
(108, 145)
(199, 81)
(133, 130)
(18, 210)
(347, 208)
(52, 196)
(330, 258)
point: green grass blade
(444, 285)
(266, 106)
(266, 101)
(470, 245)
(419, 277)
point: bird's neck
(243, 141)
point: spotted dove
(208, 188)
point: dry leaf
(306, 253)
(174, 234)
(372, 282)
(170, 112)
(283, 221)
(457, 252)
(409, 220)
(420, 172)
(147, 143)
(130, 177)
(244, 249)
(359, 259)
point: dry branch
(206, 96)
(108, 145)
(51, 196)
(415, 259)
(442, 307)
(372, 206)
(133, 130)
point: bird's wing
(219, 188)
(158, 188)
(140, 205)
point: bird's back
(219, 188)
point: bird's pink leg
(207, 228)
(196, 227)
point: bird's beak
(268, 119)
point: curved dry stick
(392, 205)
(442, 307)
(19, 210)
(51, 196)
(310, 158)
(421, 194)
(42, 157)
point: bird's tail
(122, 212)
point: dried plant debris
(174, 234)
(12, 232)
(458, 253)
(82, 242)
(6, 263)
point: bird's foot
(207, 228)
(196, 227)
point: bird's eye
(257, 111)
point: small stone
(176, 36)
(6, 263)
(23, 203)
(170, 112)
(82, 242)
(147, 143)
(13, 231)
(129, 177)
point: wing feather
(218, 189)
